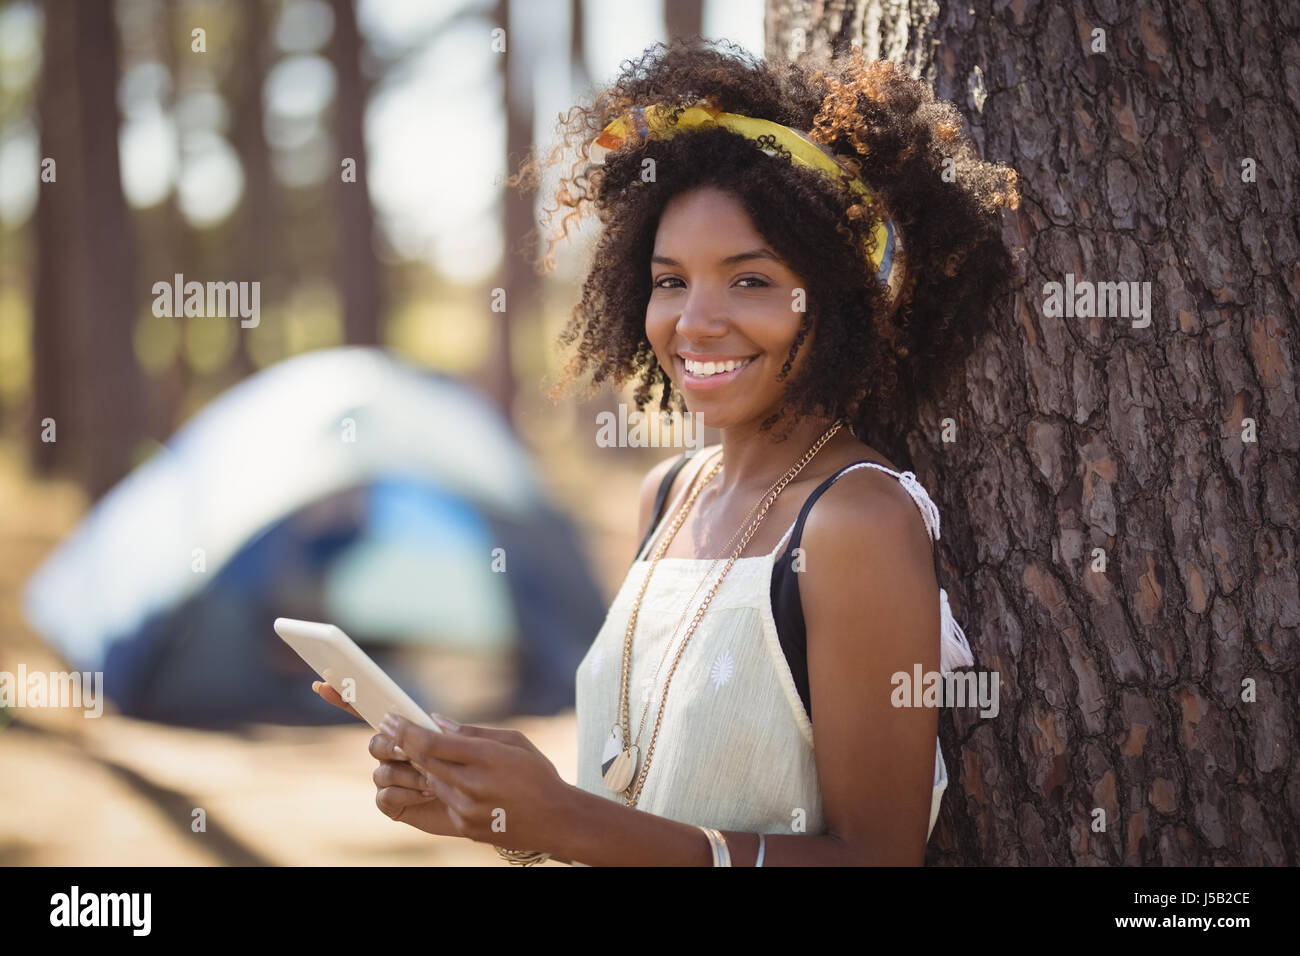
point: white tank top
(735, 748)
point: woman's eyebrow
(729, 260)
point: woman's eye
(760, 283)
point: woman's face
(721, 295)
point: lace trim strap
(954, 649)
(929, 511)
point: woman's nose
(702, 313)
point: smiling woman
(876, 165)
(787, 251)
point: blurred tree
(579, 76)
(358, 267)
(171, 246)
(517, 275)
(684, 18)
(1121, 501)
(258, 216)
(59, 351)
(112, 389)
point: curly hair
(879, 123)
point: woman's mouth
(701, 375)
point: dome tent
(340, 485)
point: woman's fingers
(424, 748)
(513, 738)
(383, 747)
(333, 696)
(423, 813)
(394, 801)
(399, 773)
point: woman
(800, 256)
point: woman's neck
(753, 460)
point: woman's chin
(714, 414)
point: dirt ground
(118, 791)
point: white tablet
(350, 671)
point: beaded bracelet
(522, 857)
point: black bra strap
(797, 534)
(660, 498)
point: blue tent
(340, 485)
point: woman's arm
(602, 832)
(871, 604)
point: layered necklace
(620, 763)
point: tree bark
(1124, 690)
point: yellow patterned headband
(644, 122)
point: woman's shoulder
(870, 508)
(856, 451)
(851, 459)
(864, 543)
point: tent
(339, 485)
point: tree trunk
(112, 391)
(357, 263)
(259, 214)
(579, 77)
(59, 358)
(517, 276)
(179, 252)
(1160, 687)
(683, 18)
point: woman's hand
(409, 795)
(331, 695)
(492, 786)
(401, 793)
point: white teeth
(704, 369)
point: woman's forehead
(706, 221)
(705, 200)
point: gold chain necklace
(619, 768)
(640, 727)
(618, 763)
